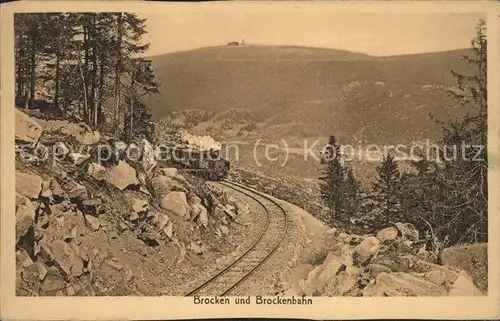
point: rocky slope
(117, 227)
(131, 227)
(394, 262)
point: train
(208, 164)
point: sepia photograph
(258, 157)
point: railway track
(259, 252)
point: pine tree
(387, 189)
(464, 179)
(339, 188)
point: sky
(377, 34)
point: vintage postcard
(324, 160)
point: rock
(150, 238)
(23, 258)
(122, 176)
(375, 269)
(56, 189)
(345, 283)
(96, 171)
(330, 270)
(77, 268)
(93, 222)
(133, 217)
(78, 158)
(224, 230)
(168, 229)
(29, 185)
(149, 159)
(203, 216)
(162, 185)
(161, 220)
(368, 247)
(91, 206)
(402, 284)
(387, 234)
(140, 206)
(61, 151)
(27, 129)
(40, 270)
(114, 265)
(46, 192)
(25, 216)
(408, 231)
(63, 254)
(169, 171)
(197, 248)
(463, 286)
(331, 231)
(78, 192)
(176, 203)
(436, 276)
(472, 258)
(54, 281)
(70, 290)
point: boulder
(403, 284)
(165, 184)
(140, 206)
(133, 217)
(27, 129)
(176, 203)
(96, 171)
(29, 185)
(472, 258)
(63, 254)
(197, 248)
(436, 276)
(23, 259)
(61, 150)
(375, 269)
(331, 270)
(168, 229)
(91, 206)
(56, 189)
(92, 222)
(25, 216)
(161, 220)
(81, 132)
(78, 192)
(53, 281)
(169, 171)
(122, 176)
(368, 247)
(464, 286)
(388, 234)
(46, 191)
(408, 231)
(149, 157)
(224, 230)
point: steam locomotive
(208, 164)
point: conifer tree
(339, 188)
(387, 189)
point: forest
(90, 67)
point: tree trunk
(101, 87)
(118, 70)
(94, 74)
(32, 70)
(86, 71)
(132, 98)
(85, 106)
